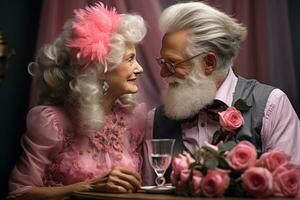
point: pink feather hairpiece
(93, 28)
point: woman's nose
(138, 68)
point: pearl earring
(105, 87)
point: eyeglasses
(171, 66)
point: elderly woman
(84, 135)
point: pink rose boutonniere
(230, 119)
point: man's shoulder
(254, 93)
(257, 84)
(254, 87)
(159, 111)
(159, 108)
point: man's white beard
(188, 96)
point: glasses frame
(171, 66)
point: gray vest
(254, 93)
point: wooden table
(147, 196)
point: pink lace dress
(55, 154)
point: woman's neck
(108, 102)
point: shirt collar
(226, 90)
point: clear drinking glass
(160, 153)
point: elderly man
(198, 50)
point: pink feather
(93, 28)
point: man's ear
(210, 63)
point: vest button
(202, 124)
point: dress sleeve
(41, 142)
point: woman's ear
(210, 63)
(102, 76)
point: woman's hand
(118, 181)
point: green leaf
(210, 150)
(192, 166)
(200, 168)
(223, 163)
(211, 163)
(235, 175)
(227, 146)
(239, 190)
(241, 105)
(217, 137)
(238, 180)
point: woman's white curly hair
(63, 80)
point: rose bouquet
(234, 169)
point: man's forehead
(176, 40)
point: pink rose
(273, 159)
(181, 162)
(173, 178)
(215, 183)
(184, 175)
(242, 156)
(195, 184)
(231, 119)
(180, 166)
(258, 181)
(180, 186)
(287, 180)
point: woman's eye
(130, 59)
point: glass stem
(160, 181)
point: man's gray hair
(211, 30)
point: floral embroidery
(53, 177)
(87, 156)
(111, 136)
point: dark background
(19, 22)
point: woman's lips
(133, 79)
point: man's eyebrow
(171, 57)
